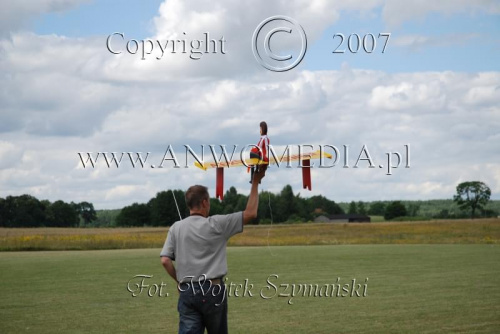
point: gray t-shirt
(198, 245)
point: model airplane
(304, 157)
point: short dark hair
(195, 196)
(263, 126)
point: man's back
(198, 245)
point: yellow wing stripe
(249, 162)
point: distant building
(344, 218)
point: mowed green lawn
(411, 289)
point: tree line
(282, 207)
(470, 201)
(28, 211)
(286, 206)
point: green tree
(394, 210)
(319, 204)
(444, 213)
(361, 208)
(353, 208)
(267, 203)
(86, 212)
(285, 206)
(472, 195)
(412, 209)
(134, 215)
(107, 218)
(3, 213)
(302, 210)
(230, 201)
(24, 211)
(295, 218)
(241, 205)
(61, 214)
(163, 210)
(333, 208)
(377, 209)
(216, 207)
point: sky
(435, 88)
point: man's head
(198, 200)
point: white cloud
(39, 92)
(421, 97)
(448, 119)
(483, 95)
(10, 154)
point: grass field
(479, 231)
(411, 289)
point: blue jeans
(202, 306)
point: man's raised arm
(250, 212)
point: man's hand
(259, 175)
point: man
(197, 244)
